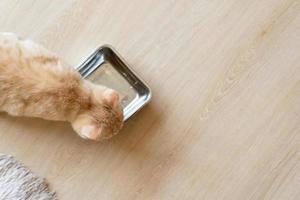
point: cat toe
(113, 97)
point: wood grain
(224, 122)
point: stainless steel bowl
(106, 67)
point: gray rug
(18, 183)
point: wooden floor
(224, 122)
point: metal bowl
(106, 67)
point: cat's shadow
(135, 127)
(131, 142)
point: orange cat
(35, 83)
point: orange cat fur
(35, 83)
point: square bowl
(106, 67)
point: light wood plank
(224, 122)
